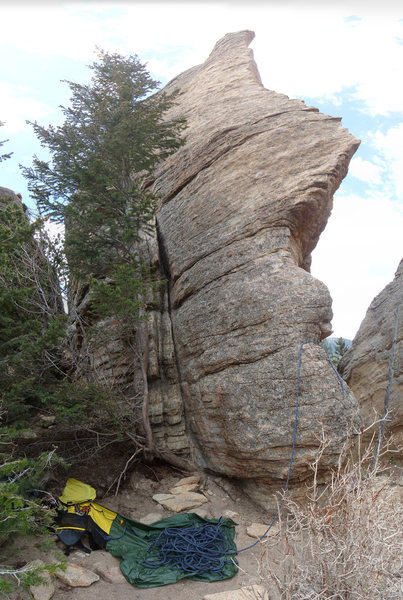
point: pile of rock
(184, 496)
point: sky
(344, 57)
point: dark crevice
(164, 261)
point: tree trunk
(143, 354)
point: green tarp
(131, 540)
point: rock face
(365, 366)
(243, 205)
(8, 197)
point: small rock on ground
(251, 592)
(76, 576)
(257, 530)
(110, 573)
(151, 518)
(45, 590)
(182, 489)
(181, 501)
(202, 512)
(230, 514)
(189, 480)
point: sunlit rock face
(243, 203)
(373, 362)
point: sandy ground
(135, 501)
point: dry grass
(344, 543)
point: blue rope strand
(294, 436)
(202, 548)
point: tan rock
(181, 489)
(365, 366)
(204, 513)
(161, 497)
(251, 592)
(151, 518)
(257, 530)
(189, 480)
(76, 576)
(110, 573)
(243, 203)
(230, 514)
(45, 590)
(181, 502)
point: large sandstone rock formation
(242, 206)
(365, 366)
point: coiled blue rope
(200, 548)
(203, 548)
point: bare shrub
(345, 542)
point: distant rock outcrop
(7, 196)
(365, 366)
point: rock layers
(366, 365)
(243, 203)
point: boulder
(76, 576)
(242, 206)
(366, 364)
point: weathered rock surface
(180, 502)
(243, 205)
(258, 530)
(365, 366)
(7, 196)
(109, 572)
(77, 576)
(45, 590)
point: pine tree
(31, 327)
(113, 136)
(336, 349)
(2, 142)
(32, 321)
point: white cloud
(312, 50)
(17, 104)
(366, 171)
(316, 53)
(357, 255)
(390, 147)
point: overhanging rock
(243, 203)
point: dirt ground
(135, 500)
